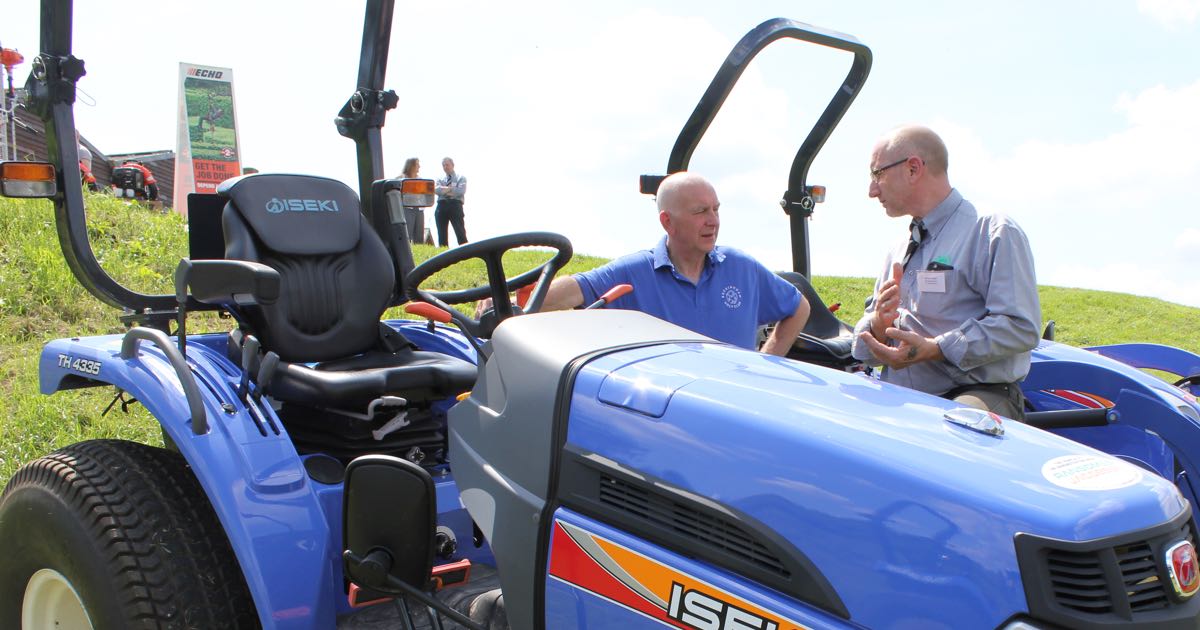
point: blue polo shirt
(735, 295)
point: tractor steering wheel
(491, 252)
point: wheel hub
(51, 603)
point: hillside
(40, 300)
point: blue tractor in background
(598, 468)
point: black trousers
(450, 211)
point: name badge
(931, 281)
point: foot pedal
(452, 574)
(360, 597)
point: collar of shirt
(936, 219)
(663, 259)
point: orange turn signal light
(27, 179)
(417, 192)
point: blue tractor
(587, 469)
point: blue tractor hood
(866, 483)
(754, 431)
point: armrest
(228, 282)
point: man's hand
(887, 304)
(912, 349)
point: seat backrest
(335, 273)
(822, 323)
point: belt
(996, 387)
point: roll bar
(51, 87)
(797, 201)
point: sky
(1079, 119)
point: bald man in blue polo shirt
(688, 280)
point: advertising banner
(207, 142)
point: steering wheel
(491, 252)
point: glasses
(876, 172)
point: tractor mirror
(27, 180)
(390, 520)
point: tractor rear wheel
(113, 534)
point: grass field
(40, 300)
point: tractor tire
(112, 534)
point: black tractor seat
(354, 382)
(335, 278)
(825, 340)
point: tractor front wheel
(113, 534)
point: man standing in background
(451, 191)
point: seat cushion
(352, 384)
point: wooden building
(31, 147)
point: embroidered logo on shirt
(732, 296)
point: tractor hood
(740, 427)
(865, 485)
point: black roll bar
(51, 88)
(361, 118)
(797, 202)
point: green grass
(40, 300)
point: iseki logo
(277, 206)
(1183, 567)
(705, 612)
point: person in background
(688, 280)
(955, 312)
(87, 177)
(414, 216)
(452, 193)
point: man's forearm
(564, 293)
(786, 330)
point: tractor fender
(253, 477)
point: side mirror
(389, 523)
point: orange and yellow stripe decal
(619, 574)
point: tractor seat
(335, 280)
(825, 340)
(354, 382)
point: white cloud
(1188, 241)
(1171, 13)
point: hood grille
(1117, 580)
(703, 528)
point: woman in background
(414, 216)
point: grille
(708, 530)
(1102, 583)
(1080, 583)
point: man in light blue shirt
(955, 311)
(688, 280)
(452, 193)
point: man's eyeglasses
(876, 172)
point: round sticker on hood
(1090, 472)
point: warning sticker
(1090, 472)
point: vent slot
(1078, 581)
(1113, 581)
(704, 529)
